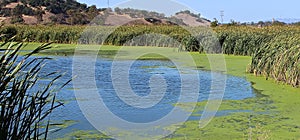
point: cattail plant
(275, 49)
(25, 109)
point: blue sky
(238, 10)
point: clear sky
(238, 10)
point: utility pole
(222, 15)
(107, 3)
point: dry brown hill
(73, 13)
(192, 21)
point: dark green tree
(17, 15)
(215, 23)
(39, 15)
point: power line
(222, 16)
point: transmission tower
(222, 16)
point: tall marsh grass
(24, 109)
(275, 49)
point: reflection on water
(140, 76)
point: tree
(297, 23)
(39, 15)
(83, 6)
(18, 10)
(118, 10)
(215, 23)
(53, 8)
(278, 23)
(59, 18)
(232, 23)
(17, 19)
(27, 11)
(75, 17)
(92, 12)
(36, 3)
(17, 15)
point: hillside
(71, 12)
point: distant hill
(192, 19)
(72, 12)
(46, 11)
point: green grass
(275, 112)
(83, 135)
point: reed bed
(275, 49)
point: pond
(70, 118)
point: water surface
(140, 73)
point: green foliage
(189, 13)
(17, 15)
(24, 107)
(135, 13)
(73, 11)
(297, 23)
(232, 23)
(47, 34)
(279, 59)
(278, 23)
(76, 17)
(215, 23)
(18, 10)
(5, 12)
(39, 15)
(7, 33)
(23, 9)
(17, 19)
(274, 49)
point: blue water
(140, 74)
